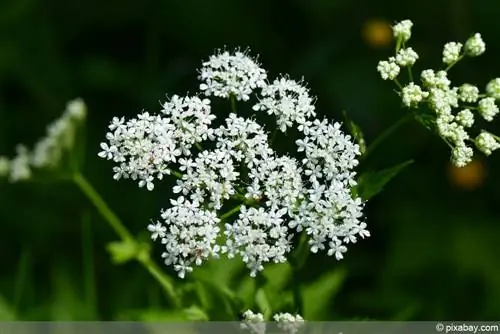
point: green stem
(88, 266)
(410, 74)
(164, 280)
(273, 136)
(297, 261)
(115, 222)
(230, 212)
(453, 64)
(21, 279)
(233, 103)
(102, 207)
(386, 134)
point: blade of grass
(21, 277)
(88, 267)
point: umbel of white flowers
(453, 106)
(49, 150)
(276, 196)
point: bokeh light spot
(469, 177)
(377, 33)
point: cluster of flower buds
(275, 196)
(453, 107)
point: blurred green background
(433, 253)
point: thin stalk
(88, 266)
(102, 207)
(384, 135)
(21, 278)
(297, 261)
(115, 222)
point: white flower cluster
(452, 106)
(236, 195)
(287, 322)
(226, 74)
(48, 152)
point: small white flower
(493, 88)
(468, 93)
(474, 46)
(486, 143)
(451, 52)
(412, 94)
(465, 117)
(389, 70)
(157, 230)
(406, 57)
(107, 151)
(337, 248)
(487, 108)
(402, 30)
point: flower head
(402, 30)
(475, 46)
(231, 74)
(493, 88)
(389, 70)
(487, 143)
(451, 52)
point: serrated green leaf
(371, 183)
(318, 295)
(356, 132)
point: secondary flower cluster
(48, 151)
(286, 322)
(452, 106)
(218, 167)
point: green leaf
(218, 301)
(318, 295)
(124, 251)
(194, 313)
(371, 183)
(356, 132)
(263, 304)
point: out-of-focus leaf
(194, 313)
(67, 304)
(6, 312)
(124, 251)
(318, 295)
(371, 183)
(356, 132)
(263, 303)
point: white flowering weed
(452, 107)
(236, 196)
(49, 151)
